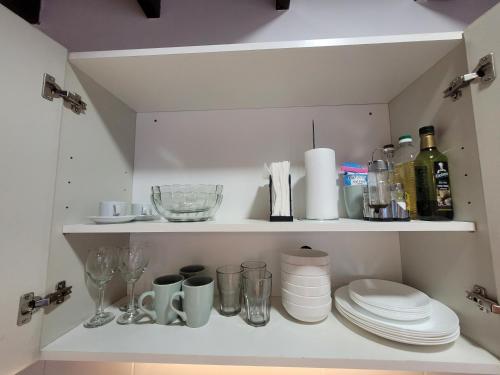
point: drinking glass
(100, 267)
(229, 287)
(255, 265)
(257, 287)
(132, 262)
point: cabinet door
(29, 144)
(481, 38)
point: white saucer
(112, 219)
(147, 217)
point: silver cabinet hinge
(479, 296)
(51, 90)
(483, 72)
(29, 303)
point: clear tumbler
(229, 287)
(257, 287)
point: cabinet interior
(228, 144)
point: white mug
(139, 209)
(114, 208)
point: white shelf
(257, 226)
(262, 75)
(334, 343)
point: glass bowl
(186, 202)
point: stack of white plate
(390, 300)
(305, 284)
(388, 309)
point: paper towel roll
(321, 184)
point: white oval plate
(147, 217)
(388, 294)
(391, 314)
(401, 338)
(112, 219)
(442, 321)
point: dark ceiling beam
(27, 9)
(151, 8)
(282, 4)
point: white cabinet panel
(481, 38)
(29, 142)
(339, 71)
(95, 163)
(445, 266)
(230, 148)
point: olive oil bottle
(432, 180)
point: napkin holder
(279, 218)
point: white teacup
(142, 209)
(114, 208)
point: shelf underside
(333, 343)
(263, 75)
(258, 226)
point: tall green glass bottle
(432, 180)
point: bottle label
(443, 193)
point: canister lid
(377, 166)
(305, 257)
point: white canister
(322, 193)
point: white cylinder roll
(321, 184)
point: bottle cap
(389, 147)
(426, 130)
(405, 138)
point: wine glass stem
(131, 292)
(100, 301)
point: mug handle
(181, 314)
(149, 312)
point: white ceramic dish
(410, 336)
(112, 219)
(308, 314)
(391, 314)
(305, 270)
(398, 337)
(147, 217)
(443, 320)
(305, 257)
(389, 295)
(307, 291)
(306, 281)
(305, 301)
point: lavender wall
(83, 25)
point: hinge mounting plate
(51, 90)
(480, 297)
(29, 303)
(483, 72)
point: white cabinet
(215, 114)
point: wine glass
(100, 267)
(132, 263)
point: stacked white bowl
(305, 284)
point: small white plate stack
(305, 284)
(397, 312)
